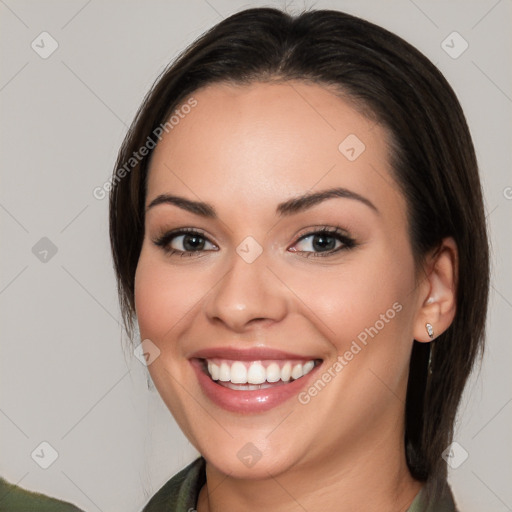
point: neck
(372, 476)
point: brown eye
(184, 241)
(324, 242)
(189, 242)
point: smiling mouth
(255, 375)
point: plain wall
(65, 377)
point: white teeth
(214, 370)
(273, 372)
(308, 367)
(224, 373)
(254, 375)
(297, 371)
(286, 372)
(246, 387)
(238, 373)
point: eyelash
(336, 232)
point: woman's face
(313, 301)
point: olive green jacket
(179, 494)
(16, 499)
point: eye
(323, 242)
(184, 242)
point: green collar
(181, 492)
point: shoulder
(434, 498)
(180, 493)
(16, 499)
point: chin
(249, 462)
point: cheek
(161, 298)
(149, 299)
(361, 293)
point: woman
(297, 228)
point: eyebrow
(290, 207)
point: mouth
(256, 375)
(252, 381)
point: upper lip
(251, 354)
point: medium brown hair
(432, 157)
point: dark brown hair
(432, 157)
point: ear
(438, 291)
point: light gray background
(65, 377)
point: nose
(248, 294)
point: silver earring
(430, 331)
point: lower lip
(257, 400)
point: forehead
(265, 142)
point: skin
(245, 149)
